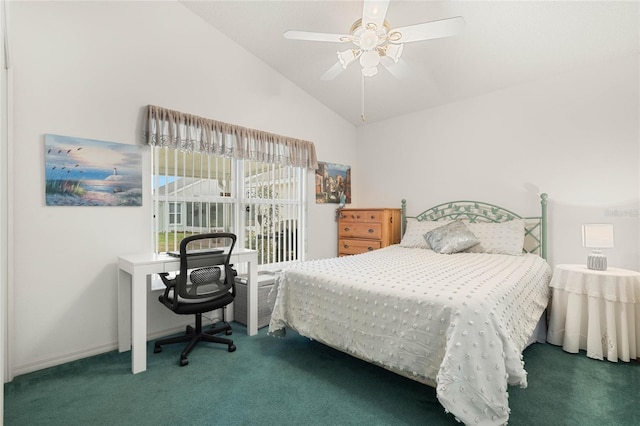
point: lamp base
(597, 261)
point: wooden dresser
(362, 230)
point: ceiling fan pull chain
(362, 117)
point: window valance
(178, 130)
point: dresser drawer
(364, 230)
(347, 246)
(364, 216)
(359, 230)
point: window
(274, 205)
(263, 204)
(175, 213)
(223, 177)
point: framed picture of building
(87, 172)
(333, 183)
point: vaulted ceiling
(503, 43)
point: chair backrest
(205, 271)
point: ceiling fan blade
(399, 70)
(332, 72)
(373, 12)
(304, 35)
(428, 30)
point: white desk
(597, 311)
(132, 297)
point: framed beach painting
(333, 183)
(87, 172)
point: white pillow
(414, 234)
(498, 238)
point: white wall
(88, 69)
(574, 136)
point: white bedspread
(459, 322)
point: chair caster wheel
(157, 349)
(228, 332)
(183, 362)
(232, 348)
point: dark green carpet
(294, 381)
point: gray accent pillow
(451, 238)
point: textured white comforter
(458, 322)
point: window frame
(239, 199)
(172, 214)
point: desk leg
(139, 323)
(252, 299)
(124, 311)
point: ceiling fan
(374, 40)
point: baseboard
(96, 350)
(62, 359)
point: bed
(454, 319)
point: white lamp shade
(394, 51)
(368, 40)
(370, 59)
(597, 235)
(369, 72)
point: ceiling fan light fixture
(369, 72)
(394, 36)
(370, 59)
(371, 26)
(347, 56)
(368, 39)
(393, 51)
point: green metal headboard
(535, 240)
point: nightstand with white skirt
(597, 311)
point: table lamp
(597, 236)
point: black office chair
(206, 282)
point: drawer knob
(346, 229)
(346, 246)
(371, 231)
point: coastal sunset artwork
(87, 172)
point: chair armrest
(169, 283)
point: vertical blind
(274, 210)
